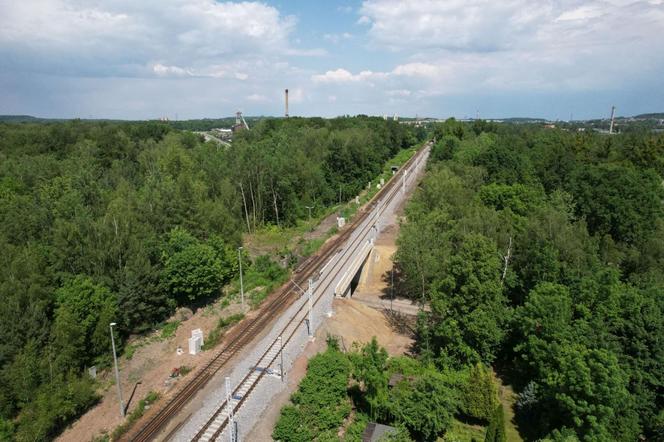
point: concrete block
(198, 333)
(195, 345)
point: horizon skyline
(389, 117)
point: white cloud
(315, 52)
(258, 98)
(518, 45)
(343, 76)
(336, 38)
(452, 24)
(417, 70)
(112, 36)
(399, 93)
(163, 70)
(150, 57)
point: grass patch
(169, 329)
(262, 278)
(130, 350)
(185, 370)
(218, 332)
(310, 247)
(135, 415)
(462, 432)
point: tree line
(541, 252)
(123, 222)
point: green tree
(426, 407)
(617, 199)
(479, 395)
(193, 273)
(84, 310)
(370, 369)
(468, 309)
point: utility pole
(239, 258)
(117, 373)
(310, 290)
(229, 411)
(310, 207)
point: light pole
(239, 258)
(392, 286)
(117, 373)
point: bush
(425, 407)
(54, 406)
(320, 404)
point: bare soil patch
(148, 370)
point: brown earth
(148, 370)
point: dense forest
(541, 253)
(123, 222)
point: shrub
(480, 395)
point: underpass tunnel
(356, 279)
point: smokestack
(613, 114)
(286, 103)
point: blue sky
(201, 58)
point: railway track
(218, 422)
(248, 330)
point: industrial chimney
(286, 103)
(613, 114)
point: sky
(184, 59)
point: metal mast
(613, 114)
